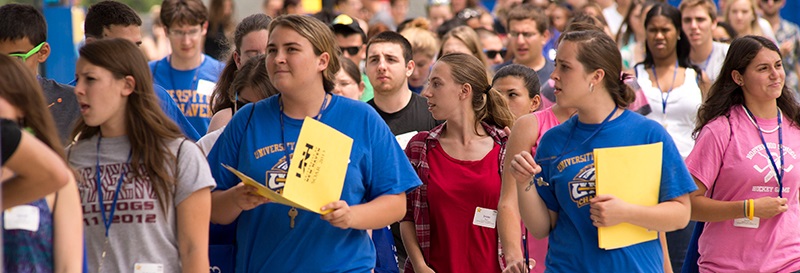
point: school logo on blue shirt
(276, 176)
(582, 185)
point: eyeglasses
(723, 40)
(526, 35)
(180, 33)
(468, 13)
(774, 1)
(24, 56)
(493, 53)
(353, 50)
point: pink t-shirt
(743, 171)
(547, 119)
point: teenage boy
(23, 35)
(699, 21)
(351, 39)
(187, 74)
(527, 35)
(112, 19)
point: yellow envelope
(633, 174)
(318, 167)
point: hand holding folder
(317, 171)
(632, 174)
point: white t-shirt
(207, 141)
(682, 105)
(613, 18)
(713, 63)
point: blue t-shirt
(571, 177)
(265, 242)
(182, 86)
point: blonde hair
(754, 27)
(422, 40)
(321, 38)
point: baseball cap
(346, 25)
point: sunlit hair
(422, 40)
(220, 98)
(321, 38)
(726, 93)
(754, 27)
(149, 130)
(488, 104)
(595, 51)
(19, 88)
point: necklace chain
(759, 127)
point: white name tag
(205, 87)
(148, 268)
(746, 223)
(23, 217)
(485, 217)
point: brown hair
(596, 50)
(321, 38)
(217, 19)
(487, 103)
(253, 75)
(468, 37)
(183, 12)
(21, 90)
(351, 69)
(221, 97)
(528, 12)
(725, 93)
(149, 130)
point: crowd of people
(473, 137)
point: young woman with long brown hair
(38, 236)
(144, 189)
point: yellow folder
(633, 174)
(318, 167)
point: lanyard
(596, 131)
(778, 175)
(708, 59)
(663, 98)
(107, 220)
(283, 132)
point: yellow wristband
(752, 209)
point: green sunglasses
(24, 57)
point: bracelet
(751, 209)
(745, 207)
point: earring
(591, 88)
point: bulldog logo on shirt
(276, 176)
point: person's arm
(520, 164)
(226, 205)
(662, 238)
(508, 215)
(705, 85)
(608, 210)
(67, 223)
(709, 210)
(409, 234)
(375, 214)
(39, 171)
(193, 217)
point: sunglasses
(24, 56)
(774, 1)
(353, 50)
(493, 53)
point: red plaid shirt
(417, 200)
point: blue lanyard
(525, 250)
(778, 174)
(572, 131)
(665, 99)
(283, 131)
(708, 59)
(108, 220)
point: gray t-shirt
(713, 64)
(63, 105)
(140, 232)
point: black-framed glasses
(352, 50)
(526, 35)
(24, 56)
(493, 53)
